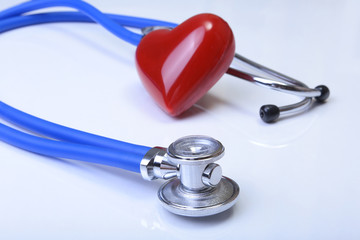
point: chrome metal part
(163, 169)
(195, 150)
(276, 81)
(212, 175)
(154, 165)
(193, 154)
(209, 201)
(147, 30)
(199, 189)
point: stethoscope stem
(270, 113)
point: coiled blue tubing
(61, 141)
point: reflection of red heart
(179, 66)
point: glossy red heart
(179, 66)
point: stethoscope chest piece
(209, 201)
(199, 189)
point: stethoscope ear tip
(269, 113)
(325, 93)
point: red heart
(179, 66)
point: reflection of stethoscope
(197, 187)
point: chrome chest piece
(197, 187)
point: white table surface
(299, 177)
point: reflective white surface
(299, 178)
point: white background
(299, 177)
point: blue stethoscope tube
(123, 159)
(110, 22)
(54, 17)
(66, 142)
(55, 131)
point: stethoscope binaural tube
(270, 113)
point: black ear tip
(269, 113)
(325, 93)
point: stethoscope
(195, 186)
